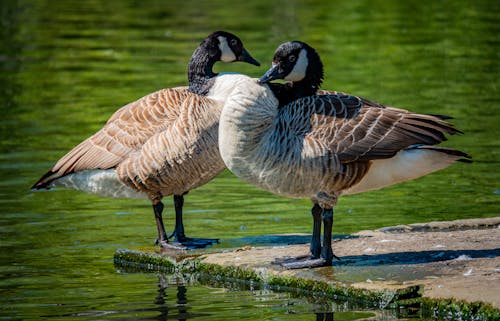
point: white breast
(246, 126)
(225, 84)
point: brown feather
(358, 129)
(126, 131)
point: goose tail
(461, 156)
(45, 181)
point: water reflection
(168, 307)
(161, 298)
(181, 303)
(205, 297)
(180, 306)
(324, 316)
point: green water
(66, 66)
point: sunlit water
(66, 66)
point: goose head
(218, 46)
(297, 62)
(226, 47)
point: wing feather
(181, 157)
(355, 128)
(126, 131)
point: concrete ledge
(390, 296)
(446, 268)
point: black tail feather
(44, 181)
(466, 158)
(442, 117)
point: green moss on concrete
(155, 262)
(448, 309)
(338, 290)
(143, 260)
(229, 272)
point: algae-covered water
(66, 66)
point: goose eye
(234, 42)
(292, 58)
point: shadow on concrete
(415, 257)
(276, 240)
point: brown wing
(382, 132)
(183, 156)
(125, 132)
(354, 128)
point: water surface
(66, 66)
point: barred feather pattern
(171, 132)
(180, 158)
(317, 146)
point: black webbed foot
(192, 243)
(302, 262)
(165, 244)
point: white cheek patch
(299, 70)
(227, 55)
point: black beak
(245, 56)
(271, 74)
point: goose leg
(316, 236)
(326, 250)
(178, 232)
(179, 235)
(162, 239)
(313, 259)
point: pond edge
(411, 296)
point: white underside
(99, 182)
(406, 165)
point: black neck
(304, 88)
(200, 74)
(286, 93)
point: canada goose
(162, 144)
(322, 146)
